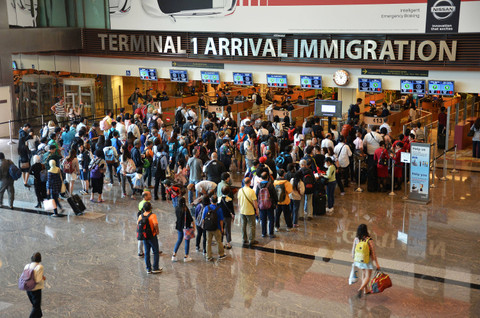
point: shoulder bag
(188, 232)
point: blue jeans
(190, 193)
(264, 214)
(151, 244)
(294, 207)
(476, 148)
(147, 177)
(179, 241)
(175, 202)
(330, 193)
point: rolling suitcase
(77, 204)
(319, 204)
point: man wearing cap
(247, 201)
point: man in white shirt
(205, 187)
(120, 127)
(342, 152)
(386, 125)
(269, 110)
(245, 120)
(372, 141)
(80, 125)
(327, 142)
(191, 113)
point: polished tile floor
(92, 268)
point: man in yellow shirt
(283, 188)
(247, 201)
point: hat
(262, 159)
(167, 182)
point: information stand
(420, 172)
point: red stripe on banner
(263, 2)
(245, 3)
(338, 2)
(254, 3)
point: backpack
(96, 171)
(258, 100)
(362, 252)
(179, 118)
(210, 221)
(211, 139)
(104, 124)
(240, 141)
(309, 182)
(382, 160)
(14, 172)
(264, 199)
(110, 156)
(243, 151)
(27, 280)
(43, 174)
(181, 153)
(67, 166)
(281, 193)
(144, 231)
(130, 100)
(198, 219)
(282, 161)
(351, 112)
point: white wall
(5, 109)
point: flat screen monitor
(370, 85)
(274, 80)
(245, 79)
(309, 81)
(412, 86)
(149, 74)
(179, 76)
(445, 88)
(328, 108)
(14, 65)
(210, 77)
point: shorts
(84, 175)
(368, 265)
(69, 177)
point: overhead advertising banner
(420, 172)
(296, 16)
(443, 16)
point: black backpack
(179, 118)
(309, 182)
(144, 231)
(258, 100)
(130, 100)
(210, 222)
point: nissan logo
(443, 9)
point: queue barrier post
(43, 123)
(432, 185)
(359, 188)
(444, 176)
(405, 196)
(454, 170)
(392, 193)
(11, 142)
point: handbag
(49, 204)
(380, 282)
(188, 233)
(471, 132)
(353, 275)
(26, 165)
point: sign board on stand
(420, 172)
(405, 157)
(217, 109)
(281, 113)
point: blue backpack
(14, 172)
(109, 156)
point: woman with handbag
(55, 185)
(185, 228)
(363, 253)
(40, 182)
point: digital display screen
(14, 65)
(372, 85)
(329, 108)
(149, 74)
(277, 80)
(243, 79)
(445, 88)
(178, 76)
(308, 81)
(209, 77)
(412, 86)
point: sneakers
(149, 271)
(276, 229)
(342, 193)
(174, 258)
(187, 259)
(123, 195)
(329, 211)
(197, 249)
(141, 255)
(224, 256)
(157, 271)
(82, 192)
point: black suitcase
(319, 204)
(372, 182)
(77, 204)
(441, 141)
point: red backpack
(264, 199)
(67, 166)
